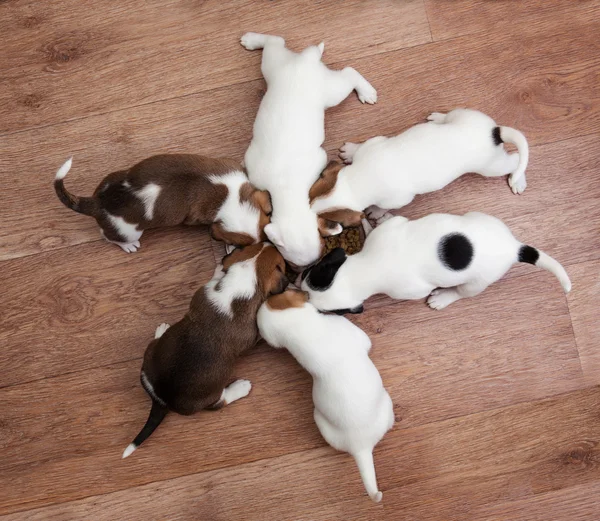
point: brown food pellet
(351, 240)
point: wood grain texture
(94, 305)
(436, 365)
(138, 52)
(462, 17)
(583, 305)
(470, 468)
(496, 416)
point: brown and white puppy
(188, 366)
(172, 189)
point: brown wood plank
(583, 305)
(93, 305)
(462, 17)
(135, 52)
(490, 465)
(202, 123)
(435, 365)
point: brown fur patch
(270, 271)
(241, 255)
(345, 217)
(261, 200)
(288, 299)
(327, 228)
(326, 182)
(219, 233)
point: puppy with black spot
(447, 257)
(286, 155)
(173, 189)
(387, 172)
(188, 366)
(353, 411)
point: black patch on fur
(528, 254)
(496, 136)
(321, 275)
(455, 251)
(355, 311)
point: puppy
(187, 366)
(353, 411)
(172, 189)
(285, 155)
(387, 173)
(458, 255)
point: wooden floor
(497, 397)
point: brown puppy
(172, 189)
(187, 366)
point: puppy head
(244, 224)
(261, 201)
(325, 184)
(321, 275)
(301, 241)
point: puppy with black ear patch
(353, 411)
(187, 366)
(172, 189)
(387, 172)
(447, 257)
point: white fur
(240, 283)
(285, 156)
(64, 169)
(353, 411)
(400, 258)
(236, 216)
(127, 230)
(235, 391)
(160, 330)
(129, 450)
(148, 195)
(389, 172)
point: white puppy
(459, 255)
(285, 156)
(387, 173)
(353, 411)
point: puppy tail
(156, 416)
(538, 258)
(366, 467)
(511, 135)
(84, 205)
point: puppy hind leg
(231, 393)
(254, 41)
(443, 297)
(347, 151)
(339, 84)
(437, 117)
(505, 164)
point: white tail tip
(64, 170)
(377, 497)
(129, 450)
(321, 47)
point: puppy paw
(347, 152)
(374, 213)
(441, 297)
(517, 185)
(385, 217)
(129, 247)
(367, 94)
(160, 330)
(238, 389)
(437, 117)
(252, 41)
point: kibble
(351, 240)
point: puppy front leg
(231, 393)
(339, 84)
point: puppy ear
(219, 233)
(328, 228)
(321, 276)
(272, 232)
(262, 199)
(326, 181)
(345, 217)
